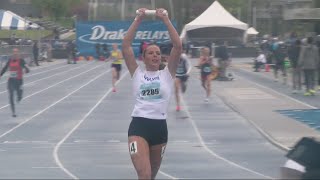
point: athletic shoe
(14, 115)
(312, 91)
(307, 94)
(294, 91)
(178, 108)
(206, 100)
(114, 90)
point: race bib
(13, 74)
(180, 70)
(207, 69)
(150, 91)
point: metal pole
(249, 17)
(254, 14)
(123, 5)
(89, 10)
(25, 27)
(95, 5)
(153, 6)
(171, 9)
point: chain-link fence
(25, 52)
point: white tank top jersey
(152, 92)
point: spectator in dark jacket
(72, 50)
(279, 54)
(35, 51)
(98, 51)
(293, 54)
(223, 60)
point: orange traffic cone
(267, 67)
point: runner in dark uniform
(205, 64)
(181, 78)
(15, 66)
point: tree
(55, 8)
(236, 8)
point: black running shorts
(117, 66)
(154, 131)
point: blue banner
(89, 34)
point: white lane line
(13, 142)
(276, 92)
(167, 175)
(45, 167)
(32, 69)
(25, 142)
(54, 85)
(56, 148)
(60, 73)
(210, 151)
(161, 172)
(113, 141)
(43, 147)
(53, 104)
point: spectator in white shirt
(259, 61)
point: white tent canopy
(252, 31)
(216, 16)
(10, 20)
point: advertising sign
(89, 34)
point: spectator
(12, 39)
(72, 51)
(309, 62)
(106, 52)
(279, 54)
(259, 61)
(35, 51)
(223, 58)
(98, 51)
(293, 54)
(49, 51)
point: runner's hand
(141, 14)
(162, 14)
